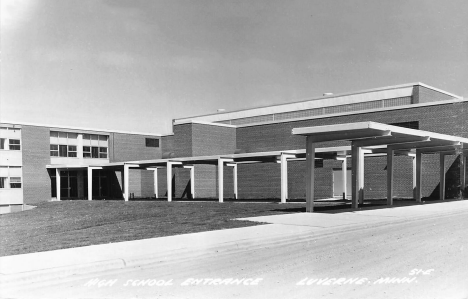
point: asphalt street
(425, 258)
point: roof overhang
(382, 137)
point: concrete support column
(192, 180)
(418, 176)
(57, 183)
(284, 178)
(442, 176)
(390, 154)
(357, 157)
(414, 177)
(310, 174)
(90, 183)
(169, 181)
(361, 176)
(155, 182)
(344, 170)
(169, 165)
(234, 178)
(220, 180)
(462, 174)
(126, 174)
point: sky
(134, 65)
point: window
(62, 151)
(54, 150)
(152, 142)
(72, 150)
(2, 182)
(15, 182)
(15, 145)
(2, 143)
(94, 152)
(103, 152)
(63, 144)
(86, 152)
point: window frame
(152, 142)
(102, 154)
(56, 150)
(72, 153)
(63, 154)
(18, 185)
(11, 146)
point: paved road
(417, 259)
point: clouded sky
(134, 65)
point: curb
(51, 275)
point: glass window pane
(15, 182)
(63, 151)
(152, 142)
(62, 135)
(2, 143)
(94, 152)
(53, 134)
(102, 137)
(86, 155)
(54, 153)
(94, 137)
(15, 144)
(86, 137)
(54, 147)
(72, 135)
(103, 152)
(72, 148)
(2, 182)
(72, 154)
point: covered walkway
(383, 139)
(367, 139)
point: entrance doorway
(100, 184)
(338, 183)
(68, 184)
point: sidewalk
(283, 229)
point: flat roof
(395, 91)
(78, 129)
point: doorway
(68, 184)
(338, 186)
(100, 184)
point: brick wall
(203, 140)
(36, 155)
(167, 143)
(183, 140)
(423, 94)
(212, 140)
(128, 147)
(449, 119)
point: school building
(411, 137)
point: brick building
(31, 154)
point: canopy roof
(380, 137)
